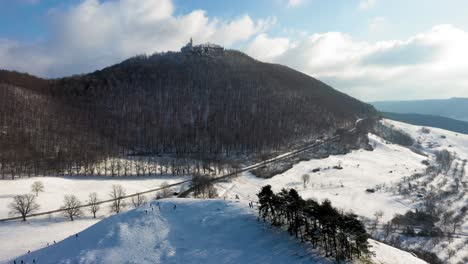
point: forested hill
(169, 103)
(430, 120)
(455, 108)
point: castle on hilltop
(202, 49)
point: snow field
(196, 231)
(345, 188)
(18, 237)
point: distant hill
(210, 102)
(430, 120)
(456, 108)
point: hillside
(183, 104)
(197, 231)
(430, 120)
(429, 177)
(455, 108)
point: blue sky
(371, 49)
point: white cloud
(97, 33)
(427, 65)
(266, 48)
(294, 3)
(365, 5)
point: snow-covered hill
(389, 169)
(343, 179)
(196, 231)
(345, 187)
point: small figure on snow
(175, 206)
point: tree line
(24, 205)
(341, 236)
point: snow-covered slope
(345, 187)
(196, 231)
(435, 138)
(386, 166)
(37, 232)
(383, 169)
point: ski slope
(197, 231)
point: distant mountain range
(430, 120)
(456, 108)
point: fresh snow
(18, 237)
(386, 255)
(345, 188)
(197, 231)
(385, 166)
(55, 188)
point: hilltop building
(202, 49)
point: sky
(370, 49)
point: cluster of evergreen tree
(341, 236)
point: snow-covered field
(18, 237)
(197, 231)
(386, 166)
(345, 188)
(56, 188)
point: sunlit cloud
(427, 65)
(365, 5)
(94, 34)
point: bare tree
(305, 179)
(212, 192)
(94, 203)
(203, 187)
(117, 193)
(23, 205)
(378, 215)
(71, 205)
(138, 200)
(457, 222)
(451, 252)
(166, 192)
(37, 187)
